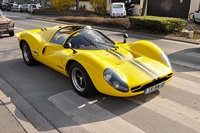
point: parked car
(94, 62)
(34, 6)
(6, 25)
(9, 6)
(117, 10)
(15, 8)
(196, 16)
(3, 6)
(24, 8)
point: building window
(135, 1)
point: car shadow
(36, 84)
(190, 56)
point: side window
(61, 35)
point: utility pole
(77, 4)
(144, 7)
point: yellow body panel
(144, 54)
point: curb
(28, 114)
(12, 108)
(134, 33)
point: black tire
(81, 81)
(194, 21)
(11, 33)
(27, 56)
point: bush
(122, 23)
(99, 6)
(158, 24)
(62, 5)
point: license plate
(154, 88)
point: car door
(197, 16)
(54, 54)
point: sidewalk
(9, 122)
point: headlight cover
(114, 79)
(166, 60)
(10, 24)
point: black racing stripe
(139, 67)
(146, 68)
(117, 56)
(118, 53)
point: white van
(34, 6)
(117, 9)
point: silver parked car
(15, 8)
(196, 16)
(24, 8)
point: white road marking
(193, 73)
(15, 16)
(91, 116)
(16, 28)
(172, 110)
(185, 85)
(194, 54)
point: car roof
(48, 34)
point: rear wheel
(27, 56)
(81, 80)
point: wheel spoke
(78, 79)
(25, 53)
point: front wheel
(27, 56)
(11, 33)
(81, 80)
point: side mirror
(125, 37)
(69, 45)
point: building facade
(166, 8)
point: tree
(62, 5)
(99, 6)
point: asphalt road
(48, 101)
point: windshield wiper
(91, 42)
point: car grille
(3, 26)
(154, 82)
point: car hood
(134, 67)
(4, 20)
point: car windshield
(117, 6)
(90, 39)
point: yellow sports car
(94, 62)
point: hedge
(157, 24)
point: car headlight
(114, 79)
(166, 60)
(11, 24)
